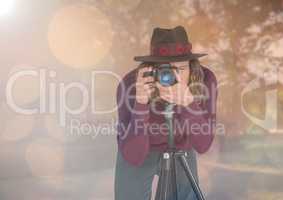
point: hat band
(171, 49)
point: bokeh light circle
(80, 35)
(45, 158)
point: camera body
(163, 73)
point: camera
(163, 73)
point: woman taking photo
(142, 131)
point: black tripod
(167, 185)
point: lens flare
(80, 36)
(6, 7)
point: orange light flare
(45, 159)
(6, 7)
(80, 36)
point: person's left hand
(179, 93)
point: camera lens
(166, 76)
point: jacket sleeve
(200, 117)
(133, 141)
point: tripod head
(168, 112)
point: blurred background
(68, 39)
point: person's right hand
(144, 85)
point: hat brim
(169, 58)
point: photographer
(142, 96)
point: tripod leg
(194, 184)
(163, 182)
(160, 181)
(173, 178)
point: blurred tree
(239, 36)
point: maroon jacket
(142, 128)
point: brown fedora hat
(169, 45)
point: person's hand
(144, 85)
(179, 93)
